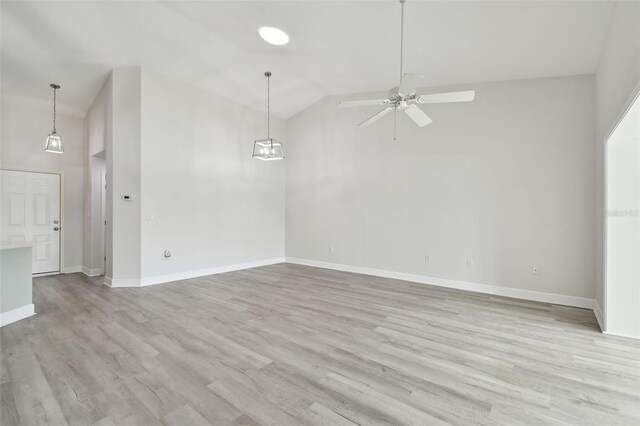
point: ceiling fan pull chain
(395, 124)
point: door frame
(635, 94)
(63, 225)
(103, 216)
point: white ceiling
(336, 47)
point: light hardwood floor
(287, 344)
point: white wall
(623, 227)
(203, 196)
(25, 125)
(123, 175)
(184, 156)
(506, 181)
(617, 82)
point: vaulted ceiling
(336, 47)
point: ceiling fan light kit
(404, 97)
(268, 149)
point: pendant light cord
(54, 110)
(268, 75)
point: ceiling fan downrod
(404, 97)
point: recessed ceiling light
(273, 35)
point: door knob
(56, 221)
(56, 228)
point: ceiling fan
(405, 98)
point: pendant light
(268, 149)
(54, 143)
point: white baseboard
(17, 314)
(599, 316)
(70, 269)
(558, 299)
(121, 282)
(628, 336)
(159, 279)
(45, 274)
(92, 272)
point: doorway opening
(98, 213)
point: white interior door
(31, 214)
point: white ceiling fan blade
(375, 117)
(409, 84)
(416, 114)
(438, 98)
(370, 102)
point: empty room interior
(397, 212)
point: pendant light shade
(268, 149)
(54, 142)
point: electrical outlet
(535, 270)
(332, 249)
(427, 259)
(469, 263)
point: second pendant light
(268, 149)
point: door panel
(41, 209)
(16, 209)
(31, 213)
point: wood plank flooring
(288, 344)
